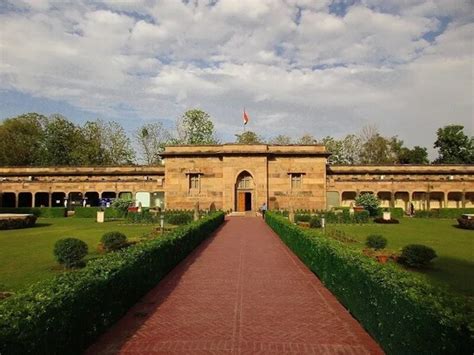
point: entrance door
(248, 201)
(240, 201)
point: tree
(92, 150)
(369, 201)
(195, 127)
(117, 145)
(281, 139)
(454, 147)
(307, 139)
(62, 142)
(417, 155)
(344, 151)
(248, 137)
(151, 139)
(21, 140)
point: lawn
(26, 255)
(454, 265)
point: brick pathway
(241, 291)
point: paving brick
(240, 292)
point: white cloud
(296, 66)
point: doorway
(244, 192)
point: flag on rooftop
(246, 118)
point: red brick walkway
(241, 291)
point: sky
(297, 66)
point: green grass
(26, 255)
(454, 265)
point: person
(263, 209)
(412, 209)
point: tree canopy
(454, 146)
(195, 127)
(248, 137)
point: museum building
(241, 178)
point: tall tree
(248, 137)
(21, 140)
(151, 139)
(62, 142)
(195, 127)
(117, 145)
(307, 139)
(92, 151)
(281, 139)
(417, 155)
(454, 147)
(344, 151)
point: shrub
(369, 201)
(380, 220)
(315, 222)
(466, 223)
(376, 241)
(299, 217)
(179, 218)
(121, 206)
(395, 212)
(91, 212)
(145, 216)
(402, 311)
(417, 255)
(46, 212)
(70, 251)
(113, 241)
(361, 217)
(17, 223)
(454, 212)
(65, 314)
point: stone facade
(241, 177)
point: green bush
(65, 314)
(179, 218)
(369, 201)
(417, 255)
(70, 251)
(45, 212)
(376, 241)
(361, 217)
(121, 206)
(17, 223)
(145, 216)
(395, 212)
(299, 217)
(402, 311)
(315, 222)
(113, 240)
(465, 223)
(443, 212)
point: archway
(244, 192)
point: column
(463, 199)
(16, 199)
(392, 199)
(33, 195)
(445, 199)
(50, 199)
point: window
(194, 182)
(245, 182)
(296, 180)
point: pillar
(409, 200)
(445, 199)
(392, 199)
(16, 199)
(33, 195)
(463, 199)
(50, 199)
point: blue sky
(298, 66)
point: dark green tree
(151, 139)
(416, 155)
(454, 147)
(21, 140)
(195, 127)
(248, 137)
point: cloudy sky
(298, 66)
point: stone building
(241, 178)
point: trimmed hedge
(395, 212)
(443, 213)
(404, 313)
(45, 212)
(66, 313)
(18, 223)
(91, 212)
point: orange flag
(246, 118)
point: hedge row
(444, 213)
(402, 311)
(65, 314)
(396, 212)
(46, 212)
(17, 223)
(91, 212)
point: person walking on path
(263, 209)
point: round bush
(179, 218)
(417, 255)
(376, 241)
(315, 222)
(369, 201)
(113, 240)
(70, 251)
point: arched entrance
(244, 192)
